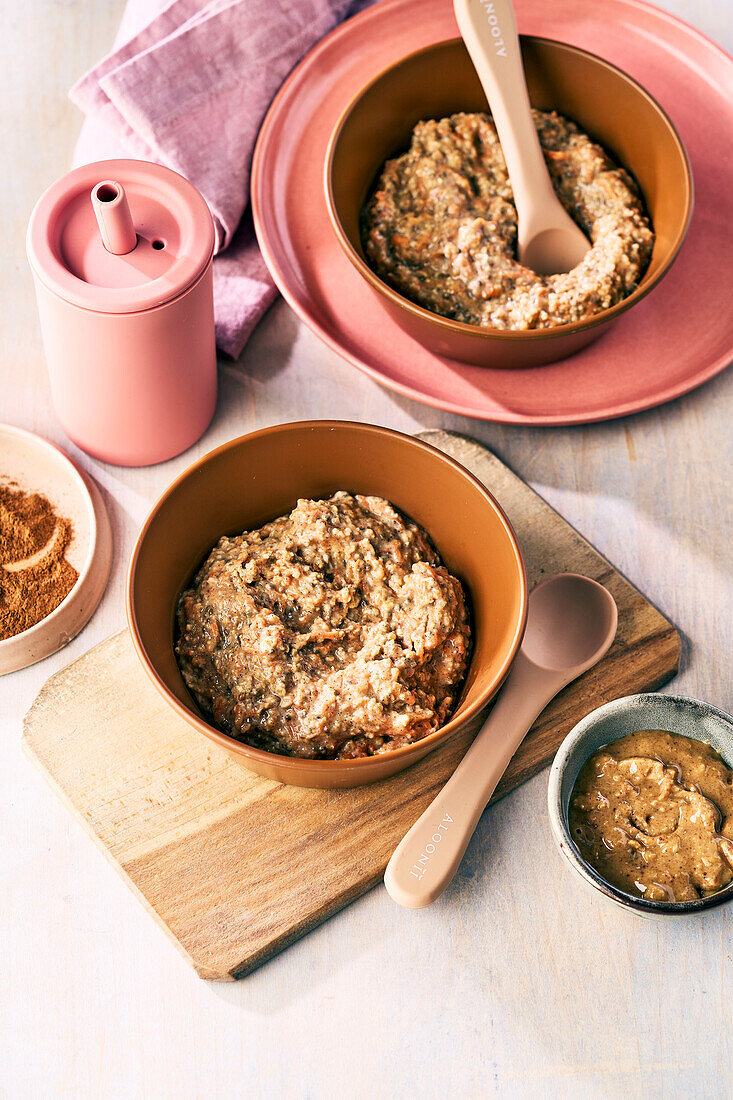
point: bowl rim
(477, 331)
(317, 765)
(559, 827)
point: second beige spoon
(570, 625)
(549, 241)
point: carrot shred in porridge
(333, 632)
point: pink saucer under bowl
(680, 336)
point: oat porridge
(441, 226)
(333, 632)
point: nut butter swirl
(653, 813)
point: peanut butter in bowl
(652, 812)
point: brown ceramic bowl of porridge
(356, 538)
(418, 197)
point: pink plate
(674, 340)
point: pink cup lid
(174, 228)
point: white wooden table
(519, 982)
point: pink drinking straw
(112, 212)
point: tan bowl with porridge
(250, 482)
(438, 82)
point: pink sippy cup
(121, 254)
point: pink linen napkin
(188, 84)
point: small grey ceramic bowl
(673, 713)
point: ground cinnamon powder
(34, 574)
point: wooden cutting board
(236, 867)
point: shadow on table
(678, 453)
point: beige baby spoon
(549, 241)
(570, 625)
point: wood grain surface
(235, 867)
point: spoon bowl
(556, 249)
(589, 617)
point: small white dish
(38, 466)
(674, 713)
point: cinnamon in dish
(34, 573)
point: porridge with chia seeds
(441, 226)
(333, 632)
